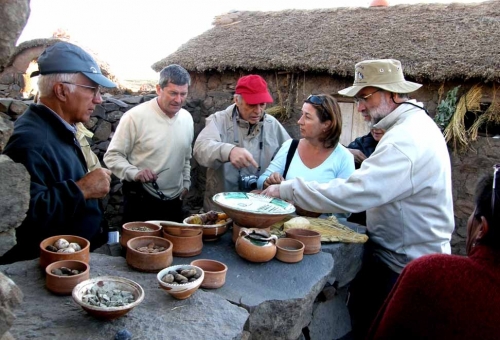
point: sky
(131, 35)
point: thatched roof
(436, 42)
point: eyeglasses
(317, 100)
(93, 88)
(363, 99)
(496, 168)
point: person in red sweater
(448, 296)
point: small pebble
(123, 335)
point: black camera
(248, 182)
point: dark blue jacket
(366, 144)
(52, 156)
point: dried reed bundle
(455, 131)
(491, 115)
(279, 112)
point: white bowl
(180, 291)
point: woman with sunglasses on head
(447, 296)
(318, 156)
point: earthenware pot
(145, 261)
(256, 245)
(185, 246)
(63, 285)
(180, 291)
(128, 232)
(47, 256)
(237, 228)
(215, 273)
(310, 238)
(289, 250)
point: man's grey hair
(174, 74)
(237, 98)
(46, 82)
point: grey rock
(7, 240)
(114, 116)
(4, 104)
(10, 298)
(110, 107)
(133, 99)
(117, 102)
(99, 112)
(13, 18)
(331, 318)
(204, 315)
(15, 182)
(91, 123)
(16, 109)
(102, 131)
(6, 129)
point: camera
(247, 183)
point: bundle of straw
(455, 131)
(491, 115)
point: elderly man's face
(376, 106)
(252, 113)
(82, 102)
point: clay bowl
(310, 238)
(108, 282)
(215, 273)
(180, 229)
(185, 246)
(149, 262)
(180, 291)
(211, 232)
(47, 256)
(128, 233)
(63, 285)
(301, 212)
(253, 210)
(237, 228)
(289, 250)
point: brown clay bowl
(63, 285)
(180, 291)
(215, 273)
(180, 229)
(310, 238)
(108, 283)
(128, 233)
(254, 211)
(289, 250)
(301, 212)
(185, 246)
(149, 262)
(47, 256)
(211, 232)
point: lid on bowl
(254, 203)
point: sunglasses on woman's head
(317, 100)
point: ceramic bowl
(128, 233)
(211, 232)
(289, 250)
(180, 229)
(301, 212)
(253, 210)
(215, 273)
(180, 291)
(108, 283)
(310, 238)
(47, 256)
(63, 285)
(185, 246)
(149, 262)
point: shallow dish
(215, 273)
(180, 291)
(211, 232)
(310, 238)
(128, 233)
(180, 229)
(63, 285)
(149, 262)
(108, 282)
(289, 250)
(253, 210)
(47, 256)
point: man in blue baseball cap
(64, 194)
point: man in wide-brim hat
(404, 186)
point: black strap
(290, 154)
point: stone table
(272, 300)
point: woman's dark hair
(329, 110)
(482, 201)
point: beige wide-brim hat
(386, 74)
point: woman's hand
(272, 191)
(274, 178)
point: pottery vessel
(212, 232)
(237, 228)
(149, 262)
(256, 245)
(63, 285)
(215, 273)
(47, 256)
(180, 229)
(185, 246)
(114, 282)
(302, 212)
(310, 238)
(180, 291)
(127, 233)
(289, 250)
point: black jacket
(366, 144)
(52, 156)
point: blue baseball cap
(63, 57)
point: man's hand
(359, 157)
(145, 176)
(274, 178)
(183, 194)
(95, 184)
(241, 158)
(272, 191)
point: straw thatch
(433, 41)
